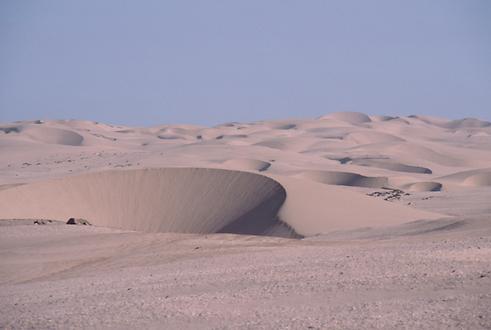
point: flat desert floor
(343, 221)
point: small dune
(283, 126)
(478, 180)
(388, 165)
(382, 118)
(231, 136)
(466, 123)
(288, 143)
(367, 137)
(345, 179)
(247, 164)
(312, 208)
(472, 178)
(423, 153)
(170, 137)
(52, 135)
(424, 186)
(10, 129)
(349, 117)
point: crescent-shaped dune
(478, 180)
(53, 135)
(50, 135)
(190, 200)
(345, 179)
(349, 117)
(424, 186)
(390, 165)
(466, 123)
(472, 178)
(247, 164)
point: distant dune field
(288, 177)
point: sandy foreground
(344, 221)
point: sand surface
(343, 221)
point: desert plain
(346, 221)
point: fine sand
(343, 221)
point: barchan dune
(345, 179)
(188, 200)
(205, 200)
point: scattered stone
(483, 275)
(42, 222)
(78, 221)
(389, 194)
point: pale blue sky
(206, 62)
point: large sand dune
(154, 200)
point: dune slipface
(345, 179)
(192, 200)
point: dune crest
(349, 117)
(50, 135)
(424, 186)
(247, 164)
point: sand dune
(194, 200)
(424, 186)
(154, 200)
(366, 137)
(349, 117)
(386, 164)
(345, 179)
(49, 135)
(478, 180)
(423, 153)
(283, 125)
(467, 123)
(288, 143)
(312, 208)
(473, 178)
(247, 164)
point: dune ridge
(424, 186)
(345, 179)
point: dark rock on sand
(78, 221)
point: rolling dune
(312, 208)
(345, 179)
(247, 164)
(355, 118)
(424, 186)
(472, 178)
(50, 135)
(389, 165)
